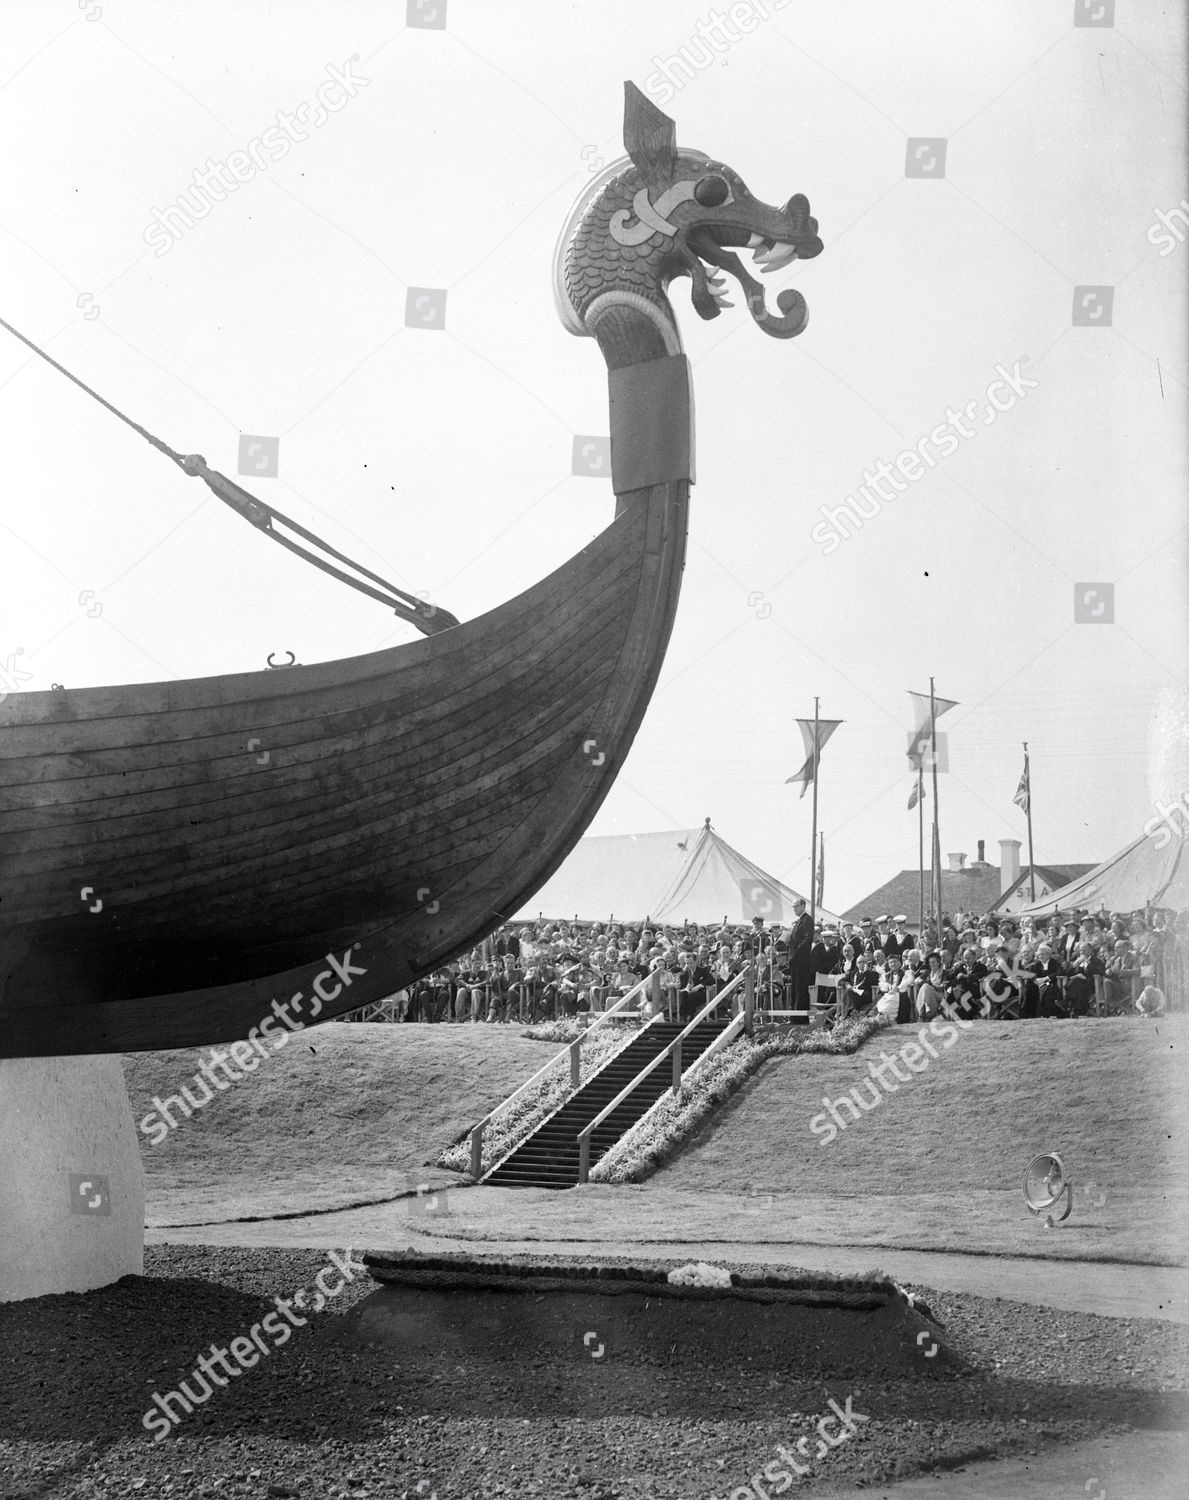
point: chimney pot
(982, 851)
(957, 862)
(1009, 863)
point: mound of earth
(344, 1113)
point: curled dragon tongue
(661, 213)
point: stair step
(550, 1156)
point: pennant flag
(923, 735)
(821, 871)
(1023, 797)
(918, 793)
(825, 728)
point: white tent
(687, 875)
(1152, 871)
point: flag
(923, 735)
(1023, 797)
(821, 871)
(918, 793)
(825, 728)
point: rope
(82, 385)
(427, 617)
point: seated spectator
(964, 984)
(1029, 972)
(889, 1000)
(1079, 983)
(859, 990)
(912, 971)
(1121, 968)
(468, 987)
(693, 986)
(622, 981)
(931, 990)
(1003, 986)
(1049, 973)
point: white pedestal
(71, 1181)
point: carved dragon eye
(712, 191)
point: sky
(1002, 195)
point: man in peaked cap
(899, 941)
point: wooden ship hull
(200, 861)
(236, 831)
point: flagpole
(813, 838)
(936, 812)
(921, 844)
(1031, 861)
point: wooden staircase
(549, 1157)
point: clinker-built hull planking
(409, 800)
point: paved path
(1108, 1288)
(1129, 1466)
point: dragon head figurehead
(660, 213)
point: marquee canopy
(687, 875)
(1152, 871)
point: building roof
(683, 875)
(1049, 877)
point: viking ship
(181, 862)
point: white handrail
(585, 1133)
(573, 1048)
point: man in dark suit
(693, 986)
(800, 954)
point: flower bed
(466, 1271)
(568, 1028)
(656, 1138)
(548, 1093)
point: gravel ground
(355, 1404)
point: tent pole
(936, 814)
(813, 839)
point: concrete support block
(71, 1181)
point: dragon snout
(796, 239)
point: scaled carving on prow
(667, 212)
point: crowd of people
(980, 966)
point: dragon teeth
(781, 256)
